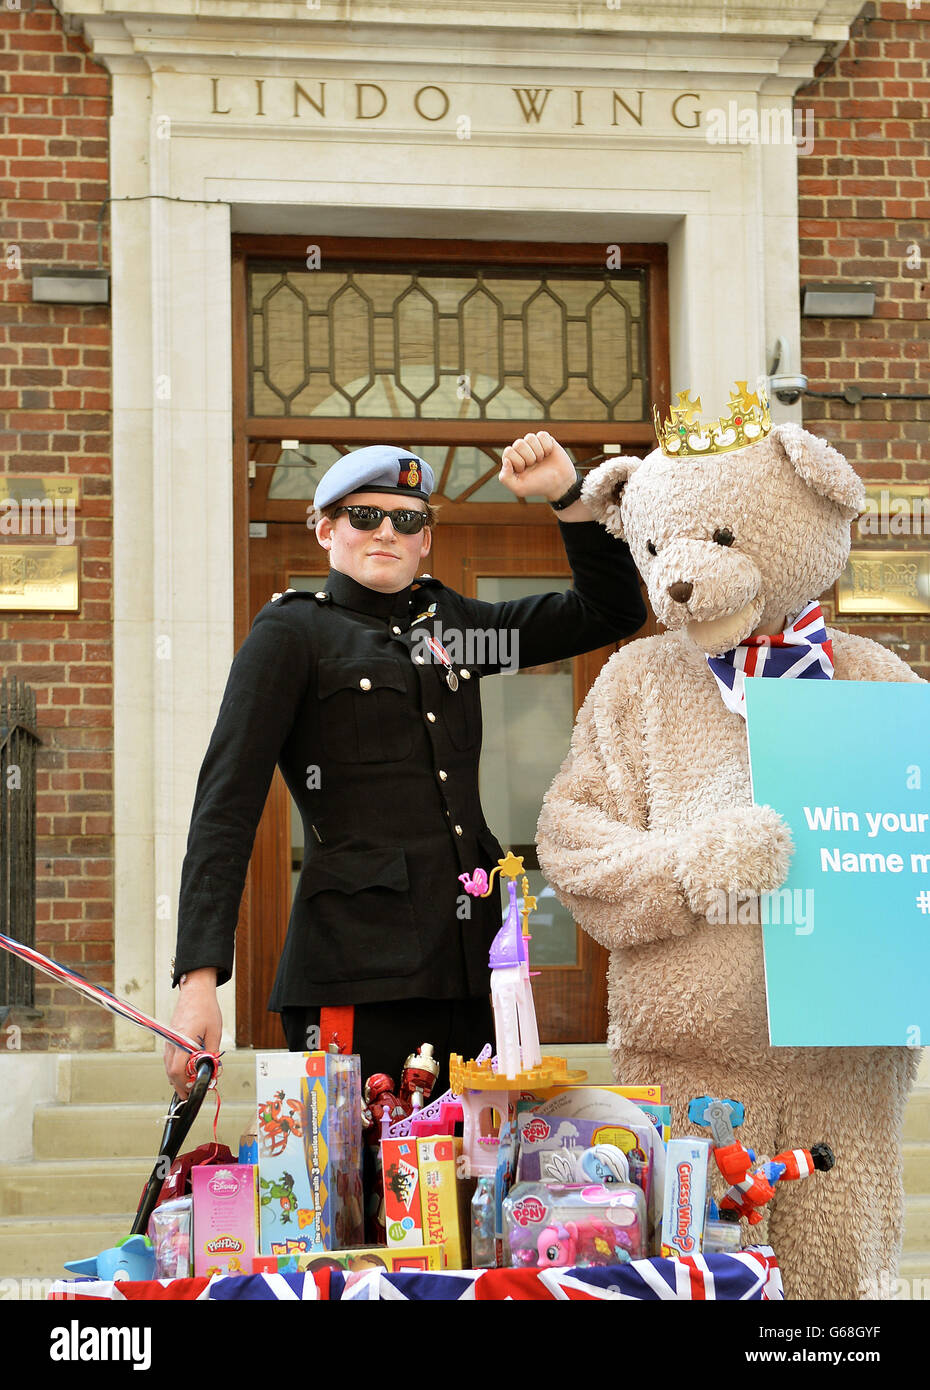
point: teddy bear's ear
(603, 490)
(823, 469)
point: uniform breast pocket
(358, 916)
(461, 712)
(365, 711)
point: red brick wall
(55, 396)
(864, 206)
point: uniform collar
(348, 593)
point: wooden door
(453, 349)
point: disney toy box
(225, 1218)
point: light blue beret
(377, 468)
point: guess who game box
(309, 1151)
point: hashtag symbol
(923, 900)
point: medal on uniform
(440, 653)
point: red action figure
(418, 1078)
(378, 1097)
(751, 1189)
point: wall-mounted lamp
(76, 286)
(831, 300)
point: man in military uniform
(359, 695)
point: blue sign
(847, 937)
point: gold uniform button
(419, 660)
(396, 631)
(321, 594)
(466, 675)
(442, 775)
(365, 683)
(458, 830)
(431, 716)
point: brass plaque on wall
(886, 582)
(21, 486)
(39, 578)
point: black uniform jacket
(381, 758)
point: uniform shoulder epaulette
(321, 596)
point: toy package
(484, 1244)
(566, 1150)
(605, 1106)
(548, 1224)
(444, 1199)
(225, 1219)
(403, 1222)
(357, 1261)
(170, 1234)
(644, 1096)
(331, 1093)
(685, 1196)
(309, 1108)
(661, 1117)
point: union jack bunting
(751, 1274)
(266, 1288)
(802, 651)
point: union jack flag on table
(750, 1274)
(803, 651)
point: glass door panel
(528, 717)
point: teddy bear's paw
(746, 849)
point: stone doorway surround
(481, 119)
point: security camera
(788, 389)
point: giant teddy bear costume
(651, 816)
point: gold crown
(746, 422)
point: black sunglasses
(405, 520)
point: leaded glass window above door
(453, 343)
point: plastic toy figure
(511, 991)
(275, 1126)
(133, 1257)
(750, 1190)
(418, 1078)
(379, 1098)
(579, 1243)
(605, 1163)
(379, 1109)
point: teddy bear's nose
(681, 590)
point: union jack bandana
(803, 650)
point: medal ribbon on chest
(441, 655)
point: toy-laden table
(750, 1274)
